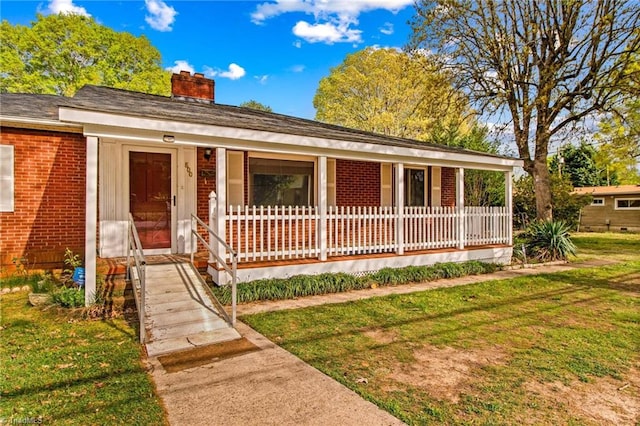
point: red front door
(150, 197)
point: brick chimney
(196, 87)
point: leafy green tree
(620, 132)
(256, 105)
(566, 205)
(389, 92)
(579, 165)
(58, 54)
(546, 63)
(481, 187)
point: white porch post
(322, 206)
(220, 227)
(508, 202)
(91, 221)
(399, 188)
(460, 207)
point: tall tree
(548, 63)
(58, 54)
(256, 105)
(389, 92)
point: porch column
(508, 202)
(91, 221)
(460, 207)
(399, 188)
(322, 207)
(220, 226)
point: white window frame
(600, 199)
(626, 199)
(7, 178)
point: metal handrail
(140, 265)
(231, 270)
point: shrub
(68, 297)
(549, 241)
(310, 285)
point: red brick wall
(205, 185)
(448, 187)
(357, 183)
(49, 187)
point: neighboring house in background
(613, 208)
(289, 195)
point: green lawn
(60, 369)
(558, 348)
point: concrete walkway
(273, 387)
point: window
(627, 203)
(597, 202)
(6, 178)
(414, 181)
(281, 182)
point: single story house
(289, 195)
(612, 208)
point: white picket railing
(267, 233)
(360, 230)
(260, 233)
(486, 225)
(430, 228)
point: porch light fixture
(168, 138)
(207, 153)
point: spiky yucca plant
(549, 240)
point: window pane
(623, 204)
(281, 182)
(414, 187)
(634, 203)
(6, 178)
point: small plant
(549, 241)
(73, 261)
(69, 297)
(43, 285)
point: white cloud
(161, 16)
(329, 32)
(325, 8)
(181, 65)
(262, 79)
(234, 72)
(387, 28)
(297, 68)
(333, 18)
(297, 44)
(66, 7)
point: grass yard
(558, 348)
(59, 369)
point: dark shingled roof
(32, 106)
(117, 101)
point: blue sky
(274, 52)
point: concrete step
(165, 346)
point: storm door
(151, 198)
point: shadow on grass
(577, 285)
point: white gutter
(38, 123)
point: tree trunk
(542, 187)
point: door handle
(174, 201)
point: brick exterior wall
(204, 184)
(448, 187)
(49, 185)
(357, 183)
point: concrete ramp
(180, 314)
